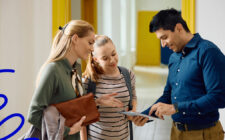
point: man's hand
(109, 100)
(162, 109)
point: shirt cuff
(66, 131)
(176, 107)
(146, 111)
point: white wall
(210, 23)
(156, 5)
(25, 38)
(116, 19)
(75, 9)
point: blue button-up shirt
(196, 82)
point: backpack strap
(127, 78)
(126, 75)
(91, 86)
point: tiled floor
(150, 82)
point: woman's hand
(109, 100)
(77, 126)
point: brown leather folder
(74, 109)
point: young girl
(54, 83)
(103, 70)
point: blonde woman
(103, 70)
(54, 83)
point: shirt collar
(67, 65)
(68, 68)
(191, 44)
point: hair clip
(60, 27)
(63, 28)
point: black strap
(127, 78)
(126, 75)
(91, 86)
(131, 130)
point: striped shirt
(112, 125)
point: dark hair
(167, 20)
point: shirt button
(199, 113)
(184, 113)
(176, 84)
(175, 98)
(178, 70)
(182, 57)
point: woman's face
(106, 56)
(84, 46)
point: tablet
(129, 113)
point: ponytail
(93, 69)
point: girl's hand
(109, 100)
(139, 120)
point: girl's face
(84, 46)
(106, 56)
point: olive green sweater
(55, 86)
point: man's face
(172, 40)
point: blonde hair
(62, 41)
(93, 69)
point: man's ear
(179, 27)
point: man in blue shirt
(195, 87)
